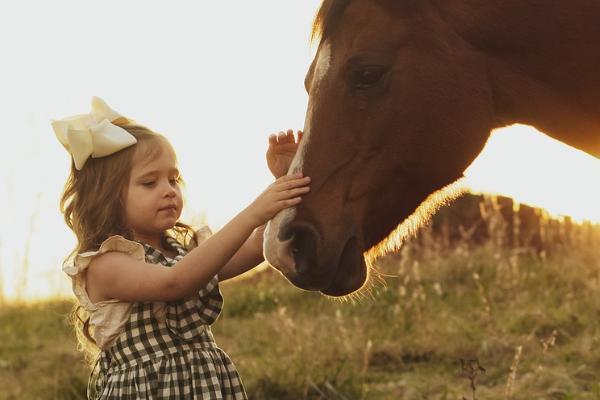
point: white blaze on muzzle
(276, 252)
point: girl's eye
(148, 184)
(175, 180)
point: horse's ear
(300, 134)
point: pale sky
(216, 78)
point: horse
(403, 95)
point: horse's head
(399, 106)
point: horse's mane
(328, 15)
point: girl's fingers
(290, 136)
(291, 193)
(284, 137)
(287, 178)
(299, 190)
(291, 184)
(290, 202)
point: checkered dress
(168, 357)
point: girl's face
(153, 200)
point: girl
(148, 282)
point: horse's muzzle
(303, 246)
(335, 270)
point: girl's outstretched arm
(281, 151)
(116, 275)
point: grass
(412, 338)
(449, 320)
(38, 359)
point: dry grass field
(490, 301)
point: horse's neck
(544, 63)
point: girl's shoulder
(107, 316)
(118, 243)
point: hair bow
(92, 134)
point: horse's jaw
(355, 271)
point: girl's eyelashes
(173, 181)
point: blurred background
(217, 78)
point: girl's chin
(168, 224)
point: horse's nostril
(303, 247)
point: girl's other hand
(281, 151)
(285, 192)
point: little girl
(148, 282)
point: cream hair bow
(92, 134)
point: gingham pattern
(172, 359)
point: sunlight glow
(216, 83)
(216, 78)
(522, 163)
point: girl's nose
(169, 191)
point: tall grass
(490, 301)
(2, 297)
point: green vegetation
(449, 316)
(38, 359)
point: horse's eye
(366, 77)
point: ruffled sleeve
(203, 233)
(113, 243)
(107, 317)
(188, 318)
(76, 270)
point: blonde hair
(93, 207)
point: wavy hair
(93, 206)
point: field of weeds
(490, 301)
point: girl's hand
(285, 192)
(281, 151)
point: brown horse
(403, 95)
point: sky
(216, 78)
